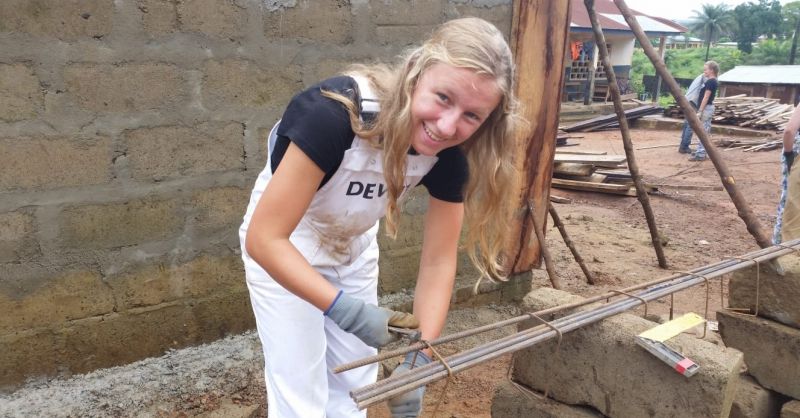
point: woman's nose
(447, 124)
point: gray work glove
(409, 404)
(368, 322)
(789, 158)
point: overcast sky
(678, 9)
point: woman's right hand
(368, 322)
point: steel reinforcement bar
(395, 385)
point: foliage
(791, 15)
(769, 52)
(682, 63)
(712, 20)
(756, 19)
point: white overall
(337, 236)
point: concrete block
(219, 209)
(54, 300)
(404, 12)
(224, 314)
(243, 83)
(65, 20)
(771, 350)
(21, 97)
(152, 285)
(126, 87)
(24, 164)
(778, 293)
(511, 402)
(791, 410)
(497, 13)
(17, 240)
(159, 17)
(601, 365)
(177, 151)
(403, 35)
(27, 354)
(328, 22)
(754, 401)
(216, 18)
(120, 224)
(122, 338)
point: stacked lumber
(594, 172)
(752, 112)
(746, 111)
(562, 139)
(750, 144)
(610, 121)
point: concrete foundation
(513, 401)
(778, 290)
(771, 350)
(600, 365)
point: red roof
(610, 18)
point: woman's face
(707, 72)
(448, 105)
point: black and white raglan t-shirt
(320, 127)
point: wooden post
(661, 45)
(590, 95)
(633, 167)
(541, 29)
(560, 225)
(538, 228)
(750, 221)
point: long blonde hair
(491, 194)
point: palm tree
(712, 20)
(791, 12)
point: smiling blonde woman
(342, 157)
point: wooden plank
(612, 161)
(713, 188)
(581, 152)
(591, 178)
(559, 199)
(619, 189)
(573, 169)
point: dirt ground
(700, 227)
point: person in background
(706, 106)
(787, 221)
(692, 94)
(344, 155)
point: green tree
(769, 52)
(712, 20)
(791, 14)
(756, 19)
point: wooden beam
(539, 41)
(633, 167)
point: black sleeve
(319, 126)
(449, 175)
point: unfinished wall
(131, 132)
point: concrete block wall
(131, 132)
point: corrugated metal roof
(611, 19)
(762, 74)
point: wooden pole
(633, 167)
(548, 261)
(590, 95)
(750, 221)
(560, 225)
(661, 45)
(539, 40)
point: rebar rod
(394, 385)
(490, 327)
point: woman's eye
(473, 116)
(442, 97)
